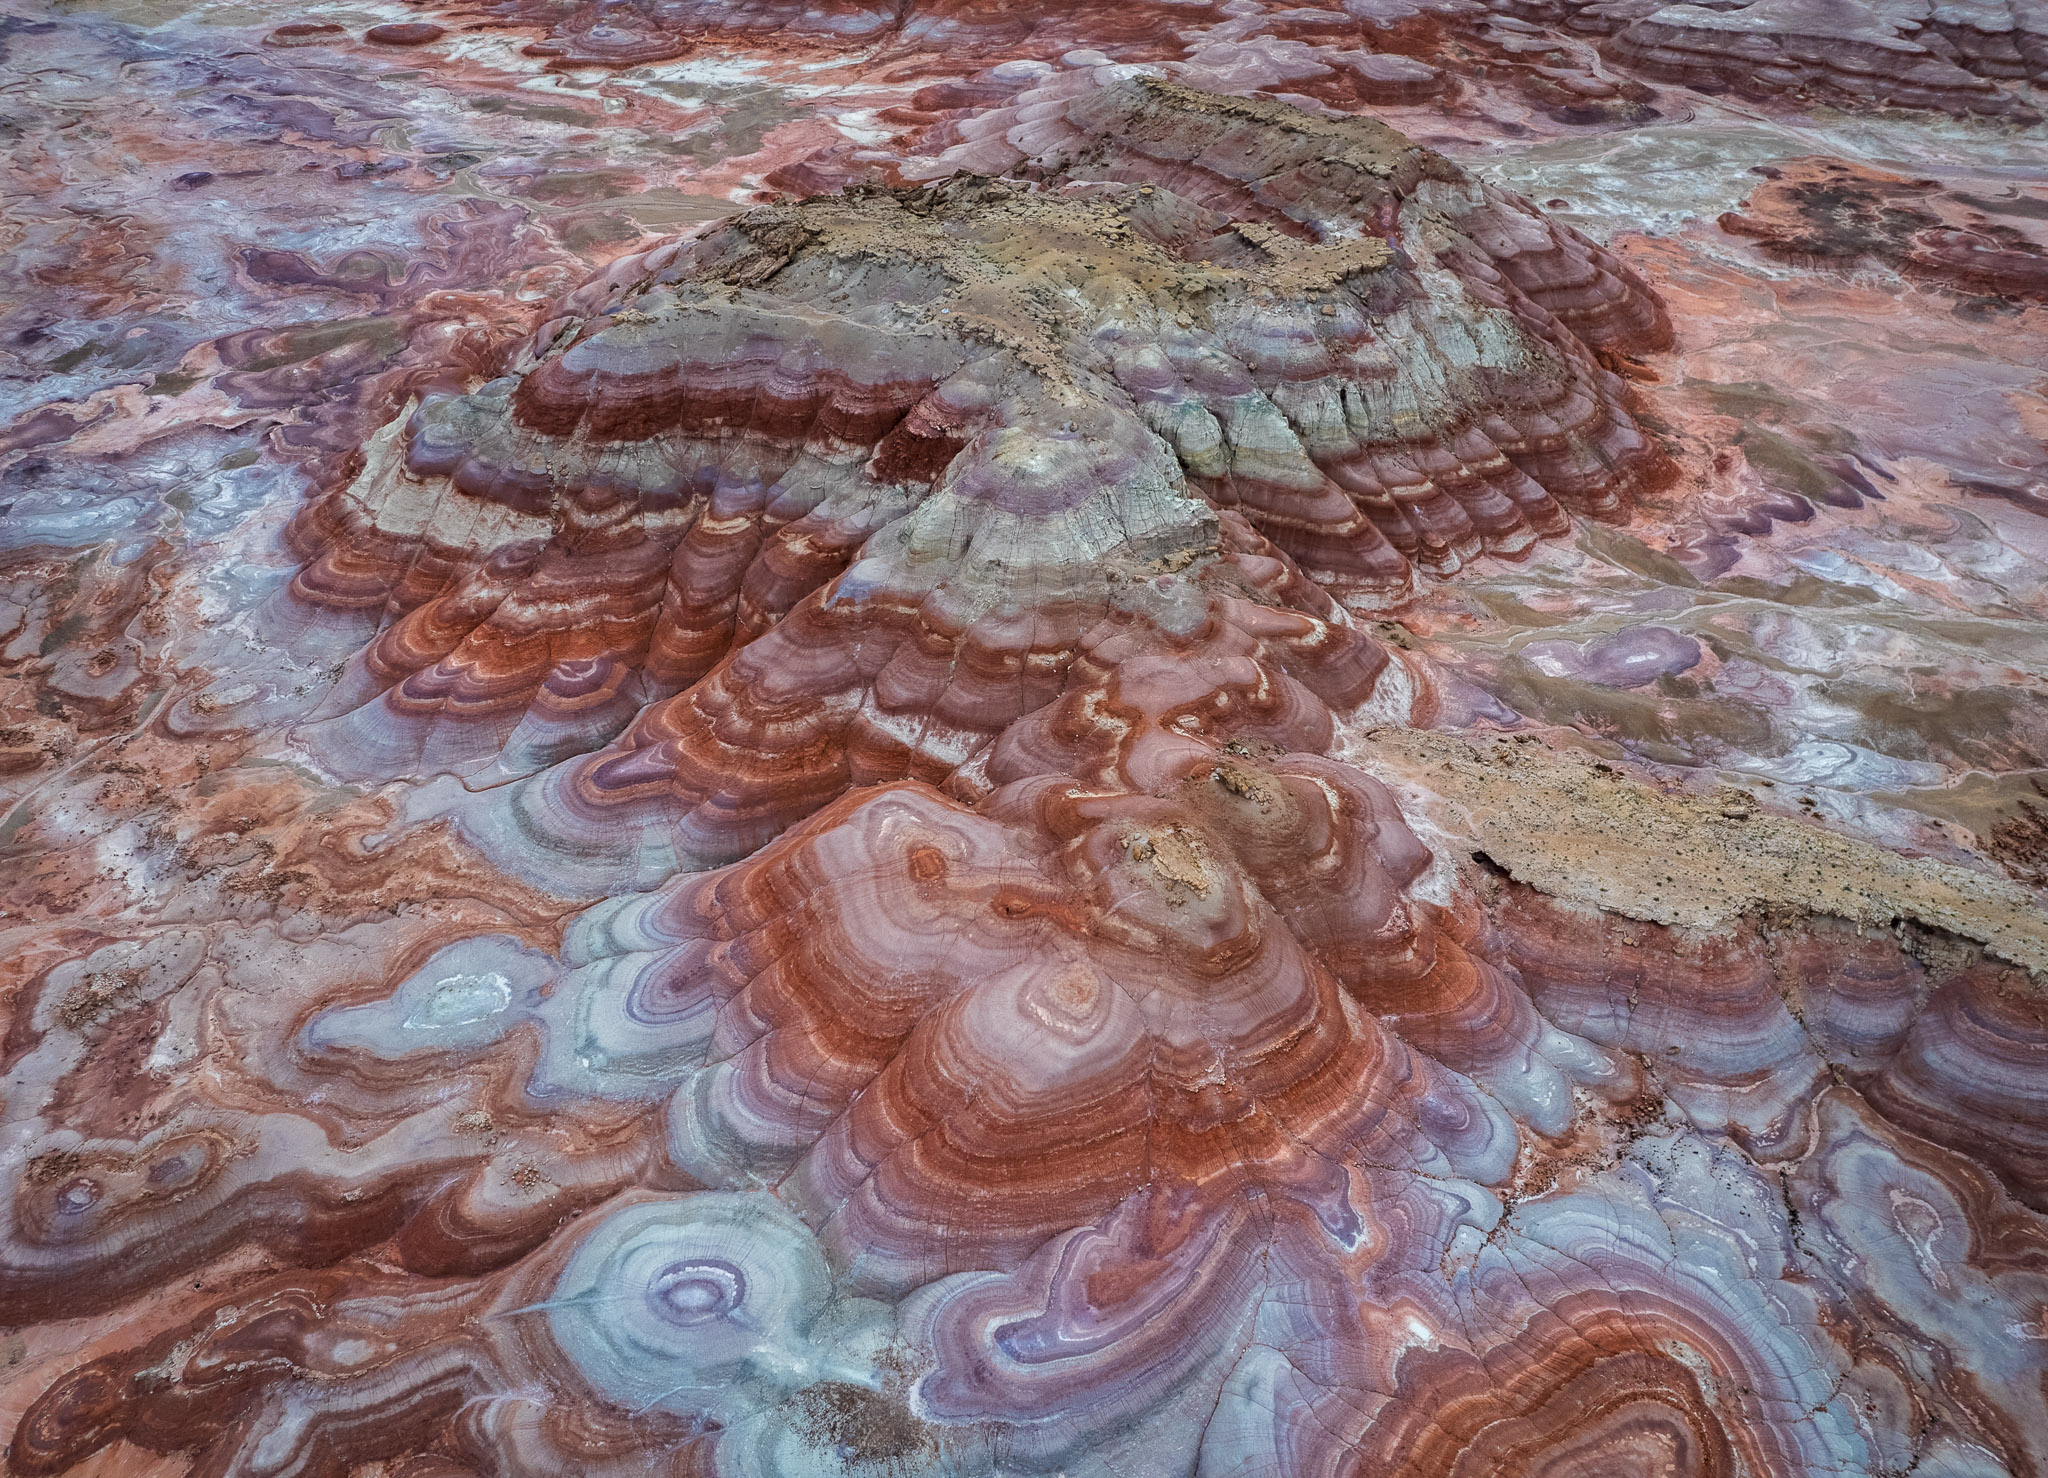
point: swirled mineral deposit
(1174, 740)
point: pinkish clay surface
(1164, 740)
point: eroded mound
(1904, 53)
(1959, 57)
(970, 1011)
(835, 492)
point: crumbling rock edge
(1581, 831)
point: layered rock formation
(1912, 54)
(829, 875)
(1948, 57)
(839, 493)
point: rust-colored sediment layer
(827, 856)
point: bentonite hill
(894, 738)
